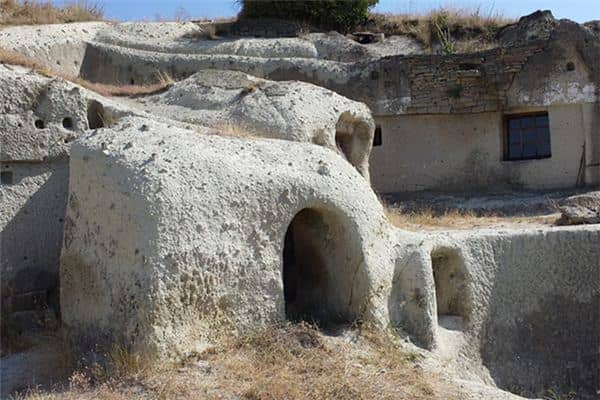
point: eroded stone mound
(536, 26)
(166, 229)
(245, 105)
(581, 209)
(40, 119)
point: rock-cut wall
(167, 229)
(516, 308)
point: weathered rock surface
(536, 26)
(171, 230)
(40, 118)
(59, 46)
(581, 209)
(167, 229)
(523, 305)
(172, 37)
(295, 111)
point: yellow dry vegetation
(292, 361)
(32, 12)
(427, 218)
(442, 25)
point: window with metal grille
(527, 137)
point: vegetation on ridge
(460, 30)
(341, 15)
(34, 12)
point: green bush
(340, 15)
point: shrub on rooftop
(340, 15)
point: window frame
(506, 135)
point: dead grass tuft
(233, 130)
(163, 80)
(33, 12)
(291, 361)
(427, 218)
(14, 58)
(297, 361)
(446, 27)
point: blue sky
(578, 10)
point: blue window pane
(514, 137)
(542, 120)
(544, 134)
(530, 136)
(528, 122)
(513, 123)
(529, 150)
(514, 151)
(544, 149)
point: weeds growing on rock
(34, 12)
(287, 361)
(447, 27)
(458, 219)
(234, 130)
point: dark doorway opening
(324, 278)
(95, 115)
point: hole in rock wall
(451, 290)
(39, 124)
(67, 123)
(95, 115)
(324, 278)
(570, 66)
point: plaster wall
(459, 152)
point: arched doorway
(324, 275)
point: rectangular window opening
(6, 177)
(527, 137)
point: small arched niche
(324, 276)
(451, 289)
(354, 139)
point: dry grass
(460, 219)
(286, 362)
(14, 58)
(32, 12)
(163, 80)
(446, 27)
(233, 130)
